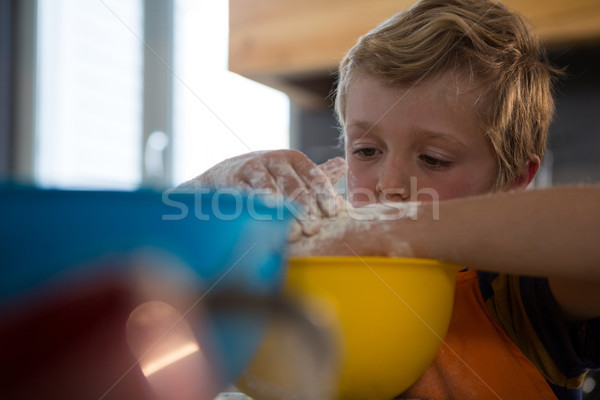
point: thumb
(335, 169)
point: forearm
(549, 233)
(552, 232)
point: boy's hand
(362, 232)
(286, 173)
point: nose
(393, 183)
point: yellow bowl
(390, 317)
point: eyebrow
(442, 136)
(365, 126)
(369, 128)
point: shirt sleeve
(575, 347)
(529, 314)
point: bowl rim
(379, 260)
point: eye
(434, 163)
(366, 152)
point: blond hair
(483, 38)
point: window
(218, 114)
(89, 93)
(90, 96)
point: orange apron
(477, 360)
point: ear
(526, 175)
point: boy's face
(415, 143)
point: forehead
(449, 103)
(455, 88)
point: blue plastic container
(232, 243)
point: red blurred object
(72, 345)
(69, 341)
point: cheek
(360, 186)
(465, 185)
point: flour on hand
(357, 231)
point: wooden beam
(298, 37)
(558, 22)
(273, 40)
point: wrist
(423, 231)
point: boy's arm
(551, 232)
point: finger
(335, 169)
(295, 233)
(254, 174)
(322, 193)
(321, 185)
(260, 179)
(296, 191)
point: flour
(327, 223)
(335, 169)
(357, 231)
(226, 173)
(386, 211)
(326, 241)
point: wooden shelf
(295, 46)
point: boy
(449, 100)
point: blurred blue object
(222, 236)
(232, 244)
